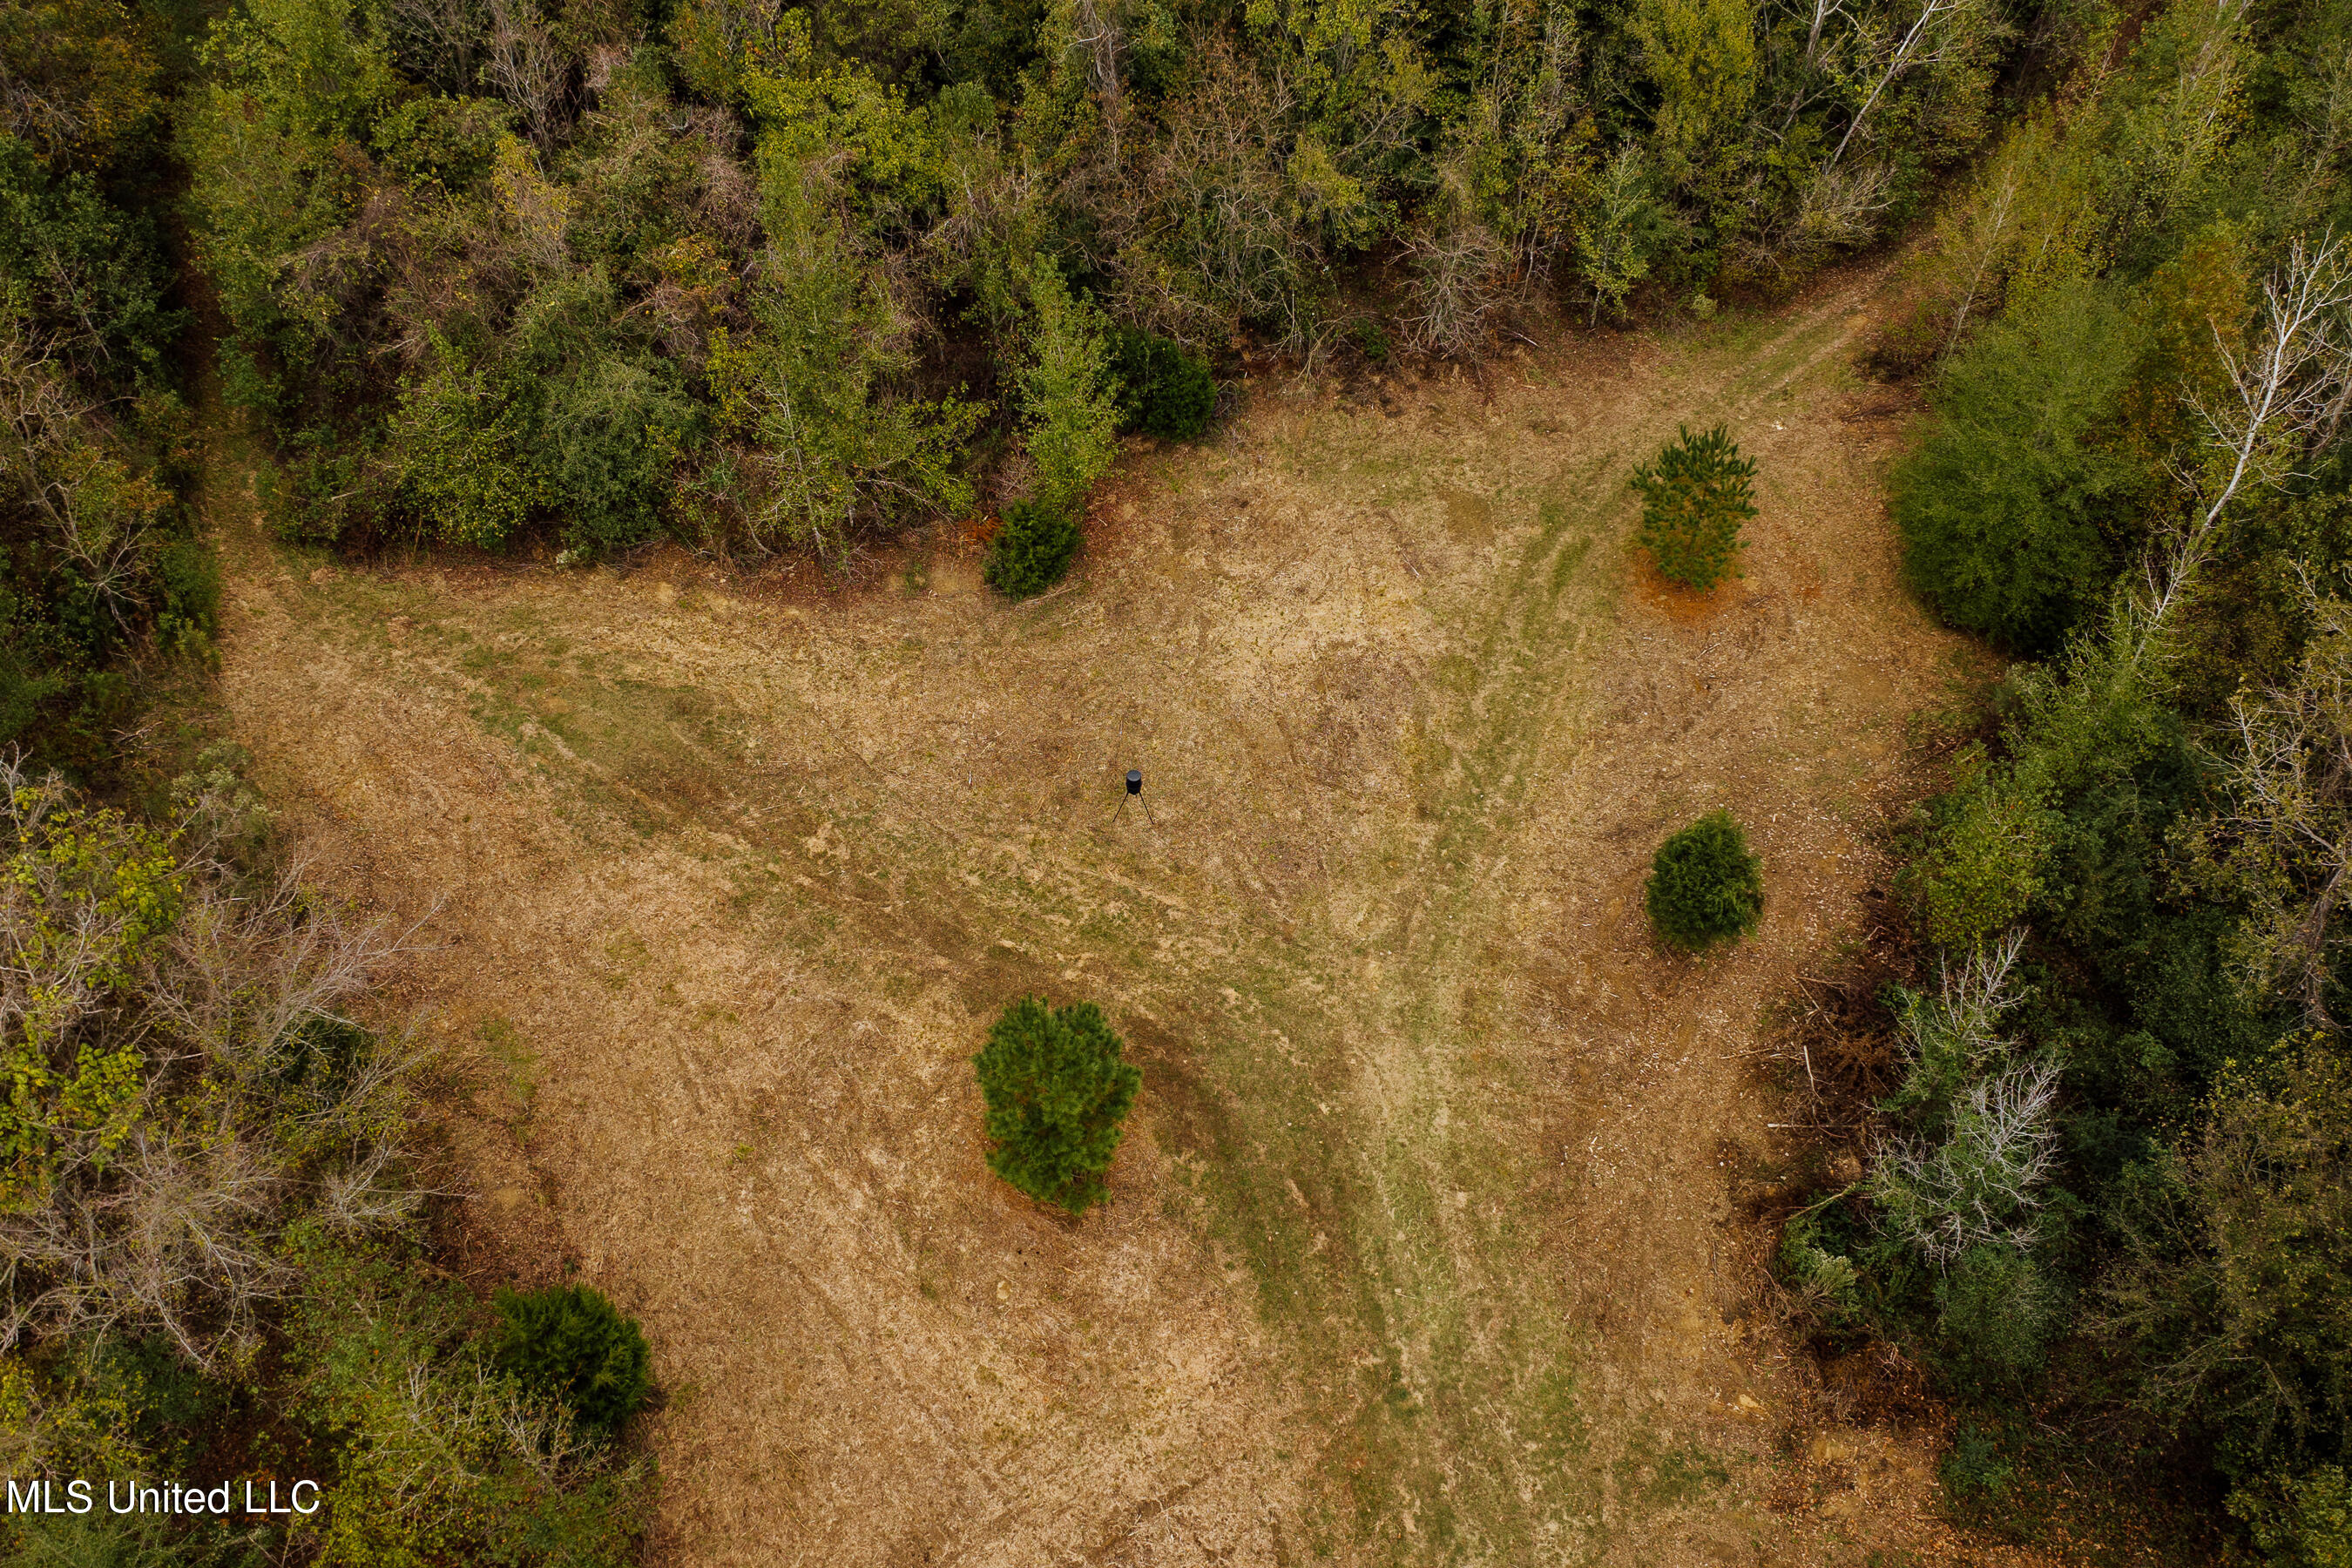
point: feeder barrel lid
(1134, 781)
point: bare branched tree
(1942, 31)
(1095, 35)
(1981, 1181)
(1986, 234)
(1839, 209)
(1462, 275)
(1227, 239)
(524, 66)
(95, 511)
(2283, 842)
(439, 40)
(2286, 389)
(189, 1082)
(2281, 397)
(1982, 1134)
(1958, 1019)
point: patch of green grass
(1457, 1406)
(1652, 1474)
(518, 1064)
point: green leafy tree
(1694, 499)
(271, 140)
(2233, 1297)
(456, 443)
(90, 276)
(1700, 55)
(1058, 1090)
(820, 383)
(78, 78)
(568, 1342)
(2300, 1521)
(1983, 863)
(386, 1368)
(1068, 394)
(1704, 884)
(613, 433)
(1620, 228)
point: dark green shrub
(1032, 551)
(2299, 1520)
(1057, 1091)
(1694, 499)
(570, 1343)
(1813, 1262)
(1165, 391)
(1999, 508)
(1976, 1466)
(189, 574)
(1991, 1312)
(612, 435)
(85, 270)
(248, 378)
(1703, 884)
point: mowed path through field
(1423, 1247)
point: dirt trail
(1423, 1247)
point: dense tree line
(215, 1259)
(761, 276)
(97, 563)
(2107, 1099)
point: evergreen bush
(569, 1343)
(609, 437)
(1992, 1311)
(1032, 551)
(2001, 507)
(1166, 391)
(1704, 884)
(1058, 1090)
(1694, 499)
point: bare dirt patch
(1426, 1245)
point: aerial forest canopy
(2097, 1102)
(763, 278)
(564, 281)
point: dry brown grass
(1427, 1243)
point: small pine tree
(569, 1343)
(1032, 550)
(1704, 885)
(1057, 1091)
(1694, 499)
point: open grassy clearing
(1423, 1247)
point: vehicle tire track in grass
(1371, 669)
(1467, 1429)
